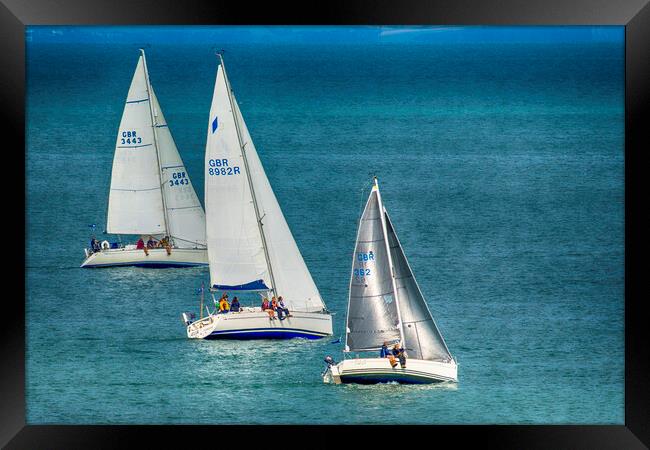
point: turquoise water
(501, 165)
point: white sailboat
(251, 250)
(386, 305)
(151, 193)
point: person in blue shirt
(400, 354)
(282, 308)
(94, 245)
(235, 306)
(151, 243)
(383, 351)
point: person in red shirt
(268, 308)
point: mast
(155, 143)
(390, 259)
(202, 298)
(248, 176)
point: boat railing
(198, 324)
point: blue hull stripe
(385, 377)
(266, 333)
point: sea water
(500, 162)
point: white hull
(379, 370)
(253, 323)
(157, 257)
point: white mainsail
(151, 192)
(135, 203)
(250, 246)
(385, 302)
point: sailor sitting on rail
(235, 306)
(224, 307)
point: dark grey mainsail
(422, 339)
(372, 310)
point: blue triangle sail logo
(215, 124)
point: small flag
(215, 124)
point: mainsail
(372, 316)
(151, 192)
(135, 203)
(385, 302)
(250, 246)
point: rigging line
(363, 189)
(185, 240)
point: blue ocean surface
(500, 155)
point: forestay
(422, 339)
(135, 204)
(184, 211)
(372, 316)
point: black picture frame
(633, 14)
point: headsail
(184, 211)
(250, 246)
(135, 204)
(372, 316)
(422, 339)
(292, 278)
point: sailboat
(251, 250)
(151, 194)
(385, 305)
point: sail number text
(129, 137)
(218, 167)
(370, 256)
(363, 257)
(179, 178)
